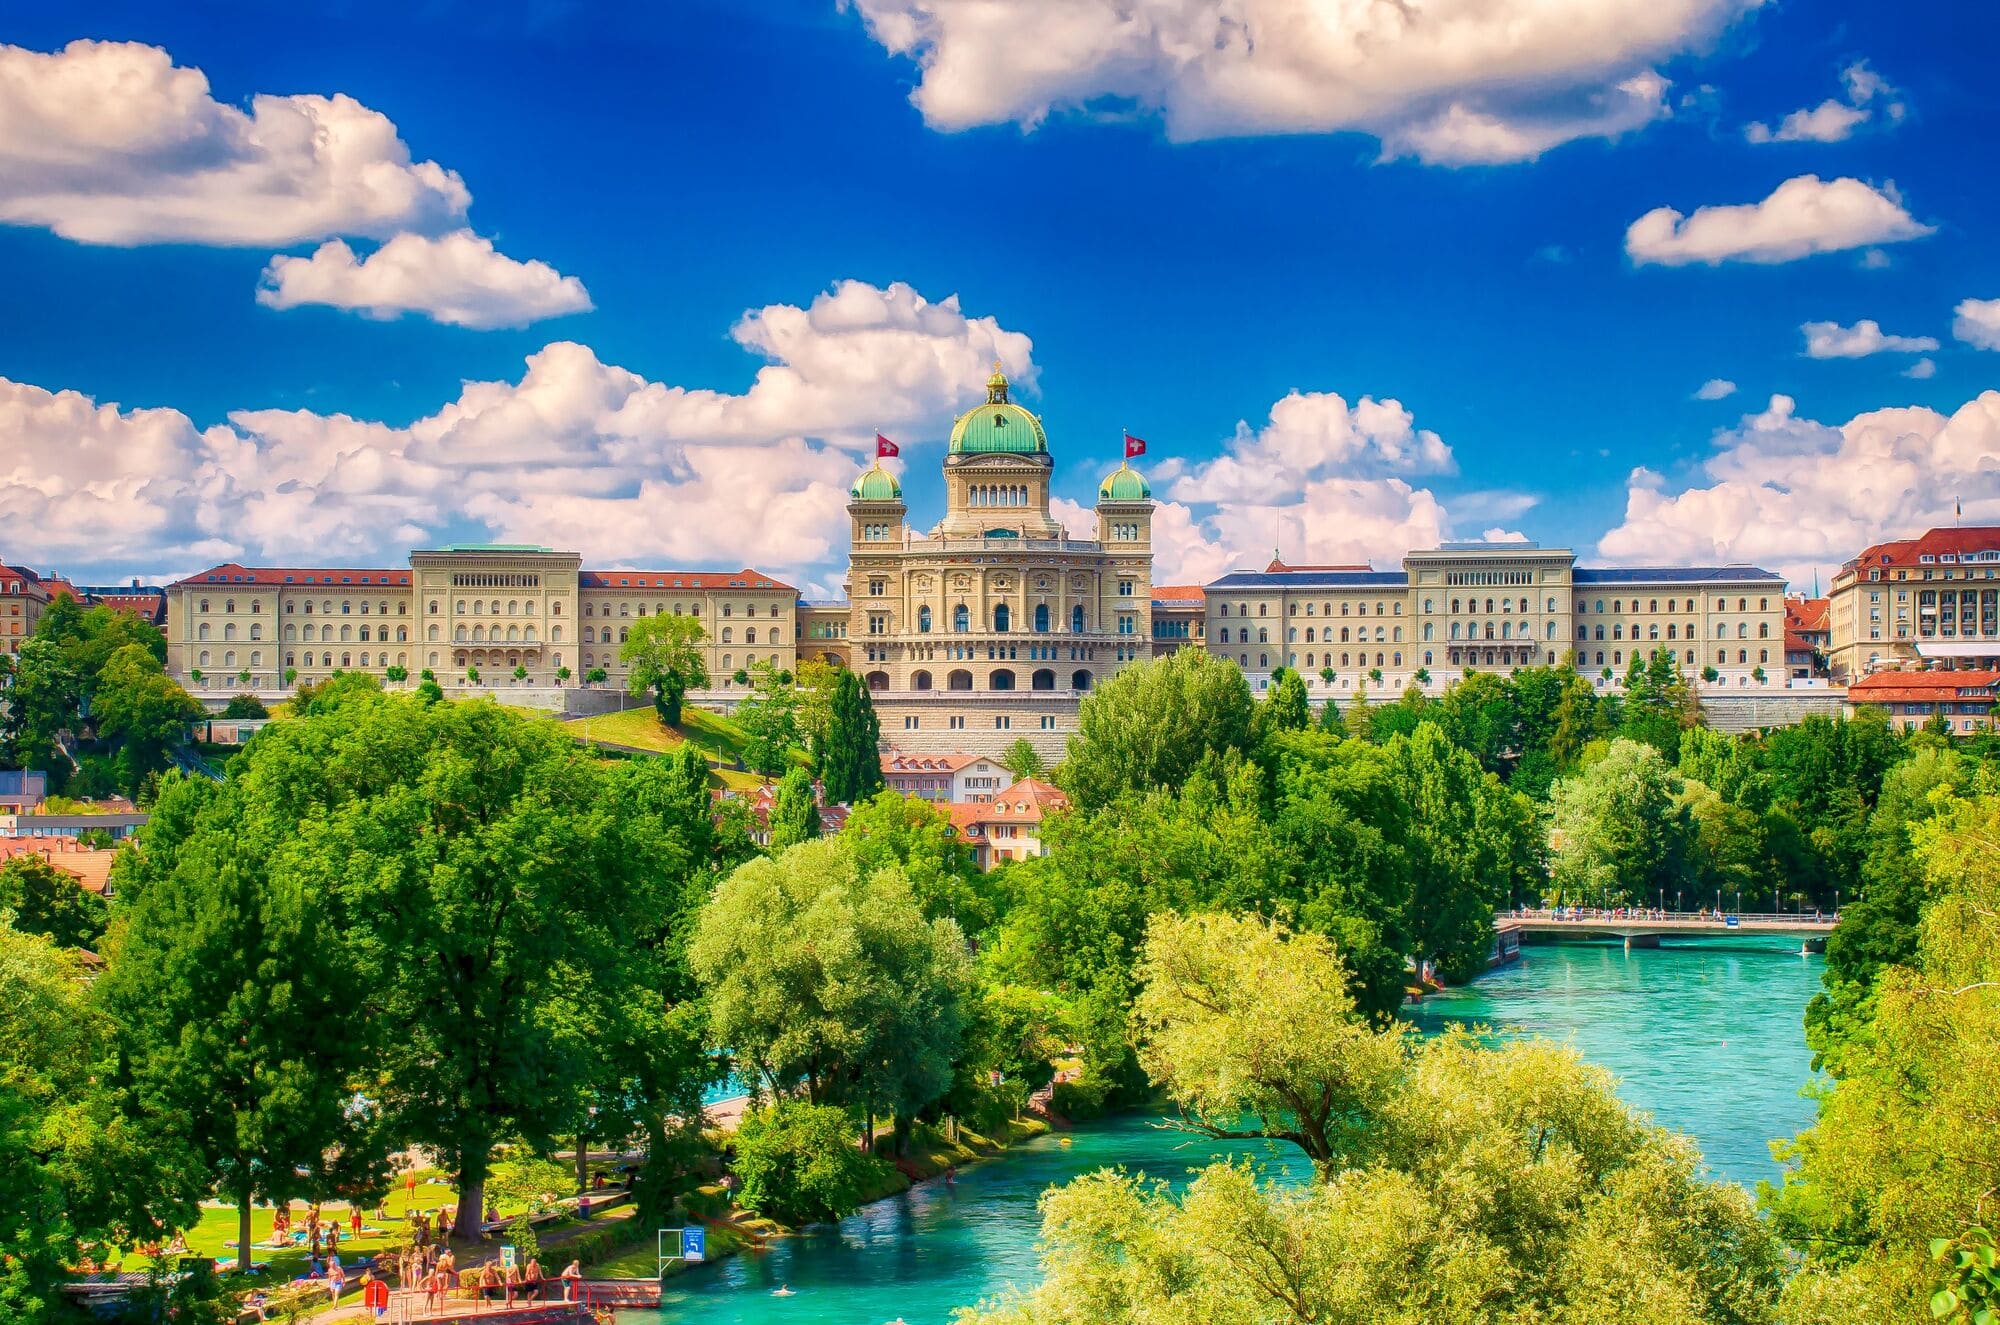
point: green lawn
(715, 736)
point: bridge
(1641, 928)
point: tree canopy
(662, 656)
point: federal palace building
(990, 623)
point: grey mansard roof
(1670, 575)
(1312, 579)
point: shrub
(246, 706)
(800, 1165)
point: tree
(43, 701)
(1900, 1153)
(663, 656)
(769, 718)
(397, 674)
(562, 675)
(143, 710)
(44, 900)
(1658, 702)
(1358, 720)
(520, 672)
(229, 981)
(597, 676)
(1251, 1032)
(1621, 833)
(462, 855)
(918, 838)
(1154, 724)
(1285, 707)
(1023, 760)
(823, 979)
(799, 1163)
(77, 1164)
(245, 706)
(1462, 1182)
(794, 811)
(472, 676)
(1469, 842)
(850, 754)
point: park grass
(718, 738)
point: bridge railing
(1654, 916)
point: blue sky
(1429, 246)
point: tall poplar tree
(794, 811)
(851, 767)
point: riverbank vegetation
(400, 922)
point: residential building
(949, 779)
(1807, 638)
(1009, 826)
(1471, 605)
(22, 790)
(1963, 697)
(1930, 599)
(1179, 617)
(89, 866)
(22, 598)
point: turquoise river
(1705, 1035)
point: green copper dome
(876, 484)
(998, 426)
(1124, 484)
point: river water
(1705, 1035)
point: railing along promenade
(1645, 927)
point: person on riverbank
(531, 1279)
(511, 1280)
(336, 1277)
(434, 1291)
(489, 1282)
(572, 1277)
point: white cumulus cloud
(1922, 370)
(1796, 495)
(1449, 81)
(1834, 119)
(1715, 388)
(1830, 340)
(1803, 216)
(1977, 323)
(112, 143)
(575, 452)
(457, 278)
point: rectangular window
(1048, 722)
(909, 724)
(1003, 724)
(958, 724)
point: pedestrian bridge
(1640, 928)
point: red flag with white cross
(885, 448)
(1134, 446)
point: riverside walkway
(1641, 927)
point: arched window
(920, 681)
(1003, 619)
(1079, 679)
(201, 631)
(1076, 619)
(750, 634)
(1001, 679)
(878, 680)
(958, 680)
(1043, 679)
(924, 622)
(1042, 620)
(961, 618)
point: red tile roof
(1807, 614)
(1179, 593)
(32, 585)
(679, 579)
(899, 762)
(1028, 801)
(1278, 567)
(1895, 687)
(318, 576)
(89, 866)
(1909, 552)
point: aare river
(1704, 1035)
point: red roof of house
(89, 866)
(1028, 801)
(231, 572)
(1897, 687)
(1907, 552)
(32, 585)
(1807, 614)
(679, 579)
(1179, 593)
(897, 761)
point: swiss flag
(1134, 446)
(885, 447)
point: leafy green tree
(462, 854)
(1285, 707)
(850, 755)
(1900, 1152)
(918, 837)
(822, 978)
(1023, 760)
(799, 1164)
(1482, 716)
(1658, 702)
(44, 900)
(143, 710)
(1154, 724)
(1330, 719)
(1252, 1033)
(769, 717)
(520, 672)
(794, 811)
(1360, 722)
(663, 656)
(398, 674)
(77, 1164)
(597, 676)
(236, 995)
(1621, 832)
(44, 699)
(245, 706)
(1461, 1182)
(1470, 844)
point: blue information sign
(694, 1244)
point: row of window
(1393, 608)
(1000, 678)
(956, 722)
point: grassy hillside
(715, 736)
